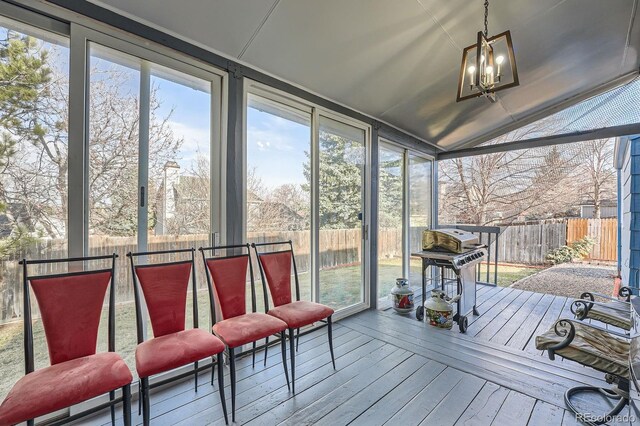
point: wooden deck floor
(512, 318)
(391, 369)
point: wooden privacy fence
(338, 247)
(526, 243)
(603, 231)
(530, 243)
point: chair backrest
(227, 279)
(275, 270)
(70, 307)
(164, 286)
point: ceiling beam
(587, 135)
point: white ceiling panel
(224, 25)
(399, 60)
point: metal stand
(459, 317)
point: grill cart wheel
(463, 323)
(420, 313)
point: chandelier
(487, 66)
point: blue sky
(276, 147)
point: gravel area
(570, 280)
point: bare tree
(283, 208)
(504, 187)
(36, 177)
(599, 172)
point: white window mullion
(406, 225)
(143, 156)
(315, 205)
(78, 177)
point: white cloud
(196, 142)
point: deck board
(392, 369)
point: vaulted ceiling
(398, 60)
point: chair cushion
(301, 313)
(247, 328)
(174, 350)
(62, 385)
(612, 313)
(591, 347)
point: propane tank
(402, 296)
(440, 309)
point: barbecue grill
(462, 264)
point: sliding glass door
(341, 208)
(150, 179)
(391, 229)
(305, 182)
(404, 211)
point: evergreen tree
(340, 181)
(24, 76)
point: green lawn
(508, 274)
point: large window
(278, 182)
(34, 69)
(149, 170)
(404, 211)
(305, 182)
(153, 133)
(420, 208)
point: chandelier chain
(486, 18)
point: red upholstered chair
(70, 308)
(164, 286)
(227, 277)
(275, 270)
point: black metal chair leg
(232, 367)
(330, 333)
(266, 349)
(223, 399)
(112, 396)
(146, 409)
(253, 354)
(139, 398)
(292, 349)
(297, 338)
(212, 368)
(195, 373)
(283, 345)
(126, 404)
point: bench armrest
(614, 333)
(580, 308)
(563, 328)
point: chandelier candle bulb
(499, 61)
(471, 70)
